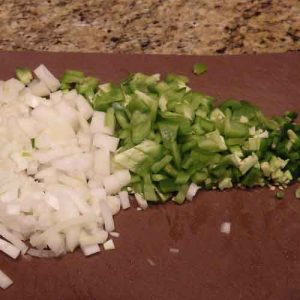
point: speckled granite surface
(149, 26)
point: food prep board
(259, 259)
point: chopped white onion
(109, 245)
(47, 77)
(58, 188)
(111, 184)
(115, 234)
(114, 204)
(107, 216)
(98, 237)
(141, 201)
(124, 198)
(39, 88)
(107, 142)
(151, 262)
(102, 162)
(192, 191)
(90, 249)
(83, 107)
(5, 281)
(225, 227)
(41, 253)
(98, 123)
(174, 250)
(9, 249)
(13, 239)
(123, 177)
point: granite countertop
(149, 26)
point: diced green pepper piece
(199, 69)
(135, 178)
(252, 178)
(159, 177)
(248, 163)
(140, 126)
(87, 85)
(176, 78)
(156, 167)
(235, 141)
(162, 196)
(138, 187)
(72, 76)
(237, 150)
(206, 124)
(32, 143)
(182, 178)
(169, 169)
(24, 75)
(143, 155)
(65, 86)
(212, 142)
(225, 184)
(150, 101)
(279, 195)
(168, 131)
(292, 115)
(103, 100)
(149, 192)
(199, 177)
(180, 197)
(110, 120)
(254, 144)
(168, 186)
(235, 129)
(122, 119)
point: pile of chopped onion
(58, 188)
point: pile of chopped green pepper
(171, 136)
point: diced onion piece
(124, 198)
(115, 234)
(102, 162)
(98, 123)
(123, 176)
(90, 249)
(29, 126)
(9, 249)
(46, 76)
(39, 88)
(68, 113)
(56, 242)
(192, 191)
(72, 238)
(52, 201)
(109, 245)
(141, 201)
(98, 237)
(225, 227)
(151, 262)
(98, 193)
(114, 203)
(107, 216)
(83, 107)
(13, 209)
(107, 142)
(111, 184)
(13, 239)
(41, 253)
(5, 281)
(174, 250)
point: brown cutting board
(259, 259)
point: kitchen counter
(148, 26)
